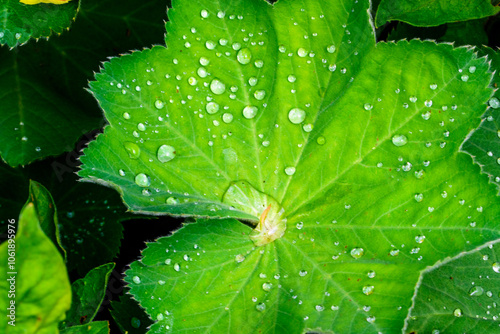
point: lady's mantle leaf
(433, 12)
(460, 296)
(357, 143)
(19, 22)
(42, 293)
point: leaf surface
(354, 147)
(41, 288)
(20, 22)
(129, 315)
(432, 13)
(95, 327)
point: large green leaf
(45, 108)
(88, 294)
(38, 282)
(19, 22)
(354, 148)
(433, 12)
(484, 143)
(460, 296)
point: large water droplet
(296, 115)
(204, 13)
(476, 291)
(259, 94)
(227, 117)
(331, 48)
(210, 45)
(457, 312)
(159, 104)
(290, 171)
(166, 153)
(301, 52)
(494, 103)
(244, 56)
(368, 289)
(217, 87)
(172, 201)
(291, 78)
(136, 279)
(253, 81)
(212, 107)
(267, 286)
(142, 180)
(132, 149)
(250, 112)
(399, 140)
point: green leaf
(96, 327)
(433, 13)
(407, 31)
(358, 145)
(129, 316)
(88, 294)
(37, 279)
(20, 22)
(484, 143)
(467, 33)
(47, 214)
(460, 295)
(45, 108)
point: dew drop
(210, 45)
(457, 312)
(291, 78)
(217, 87)
(259, 63)
(357, 252)
(250, 112)
(368, 289)
(494, 103)
(368, 106)
(132, 149)
(267, 286)
(141, 127)
(413, 99)
(166, 153)
(419, 198)
(239, 258)
(212, 108)
(136, 279)
(126, 115)
(244, 56)
(476, 291)
(158, 105)
(428, 103)
(319, 308)
(399, 140)
(177, 267)
(261, 307)
(433, 86)
(296, 115)
(227, 117)
(464, 77)
(172, 201)
(192, 81)
(496, 267)
(426, 115)
(135, 322)
(259, 94)
(371, 274)
(371, 319)
(331, 48)
(204, 61)
(204, 13)
(321, 140)
(302, 273)
(290, 171)
(142, 180)
(419, 239)
(301, 52)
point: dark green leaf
(20, 22)
(38, 279)
(96, 327)
(129, 316)
(88, 294)
(460, 295)
(466, 33)
(433, 12)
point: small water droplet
(142, 180)
(291, 78)
(244, 56)
(319, 308)
(259, 94)
(204, 13)
(239, 258)
(494, 103)
(267, 286)
(250, 112)
(301, 52)
(135, 322)
(496, 267)
(172, 201)
(413, 99)
(428, 103)
(371, 319)
(166, 153)
(177, 267)
(331, 48)
(394, 252)
(371, 274)
(419, 198)
(457, 312)
(290, 171)
(357, 252)
(261, 307)
(399, 140)
(368, 289)
(476, 291)
(419, 239)
(299, 225)
(302, 273)
(259, 63)
(212, 107)
(136, 279)
(464, 77)
(321, 140)
(368, 106)
(296, 115)
(132, 149)
(126, 115)
(426, 115)
(227, 117)
(433, 86)
(158, 105)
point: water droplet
(172, 201)
(227, 117)
(204, 13)
(136, 279)
(371, 274)
(428, 103)
(321, 140)
(259, 94)
(135, 322)
(494, 103)
(239, 258)
(399, 140)
(260, 307)
(357, 252)
(212, 107)
(296, 115)
(158, 105)
(476, 291)
(210, 45)
(290, 171)
(141, 127)
(394, 252)
(419, 239)
(419, 198)
(250, 112)
(407, 167)
(244, 56)
(166, 153)
(192, 81)
(177, 267)
(433, 86)
(368, 289)
(307, 127)
(299, 225)
(301, 52)
(413, 99)
(259, 63)
(496, 267)
(331, 48)
(161, 282)
(217, 87)
(126, 115)
(371, 319)
(204, 61)
(464, 77)
(426, 115)
(267, 286)
(132, 149)
(419, 174)
(142, 180)
(302, 273)
(291, 78)
(319, 308)
(368, 106)
(332, 67)
(457, 312)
